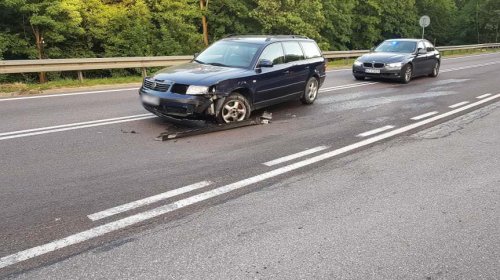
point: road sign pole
(423, 32)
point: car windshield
(228, 54)
(397, 47)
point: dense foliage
(34, 29)
(108, 28)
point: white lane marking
(458, 104)
(346, 86)
(141, 217)
(295, 156)
(483, 96)
(423, 116)
(468, 67)
(148, 200)
(71, 124)
(473, 55)
(75, 127)
(65, 94)
(375, 131)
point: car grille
(155, 85)
(373, 65)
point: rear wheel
(311, 91)
(435, 70)
(406, 74)
(359, 78)
(234, 109)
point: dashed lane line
(375, 131)
(295, 156)
(426, 115)
(458, 104)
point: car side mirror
(265, 63)
(372, 49)
(196, 55)
(422, 51)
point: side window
(429, 46)
(311, 50)
(293, 51)
(274, 53)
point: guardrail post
(144, 72)
(80, 76)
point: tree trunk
(203, 7)
(39, 47)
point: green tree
(338, 23)
(442, 29)
(366, 24)
(398, 19)
(289, 17)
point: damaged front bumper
(168, 104)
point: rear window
(293, 51)
(311, 50)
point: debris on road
(265, 118)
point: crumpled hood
(384, 57)
(198, 74)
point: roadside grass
(34, 88)
(11, 89)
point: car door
(432, 56)
(420, 61)
(299, 69)
(271, 81)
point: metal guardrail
(79, 65)
(354, 54)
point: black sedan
(400, 59)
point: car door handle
(307, 67)
(287, 72)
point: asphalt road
(65, 157)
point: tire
(234, 109)
(435, 70)
(406, 74)
(359, 78)
(310, 91)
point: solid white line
(75, 127)
(65, 94)
(295, 156)
(473, 55)
(483, 96)
(375, 131)
(458, 104)
(468, 67)
(71, 124)
(423, 116)
(147, 200)
(141, 217)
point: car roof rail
(270, 37)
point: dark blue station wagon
(235, 76)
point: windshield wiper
(198, 61)
(217, 64)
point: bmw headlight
(396, 65)
(358, 63)
(197, 90)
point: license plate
(372, 71)
(149, 99)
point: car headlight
(358, 63)
(197, 90)
(396, 65)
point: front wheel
(234, 109)
(310, 92)
(406, 74)
(435, 70)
